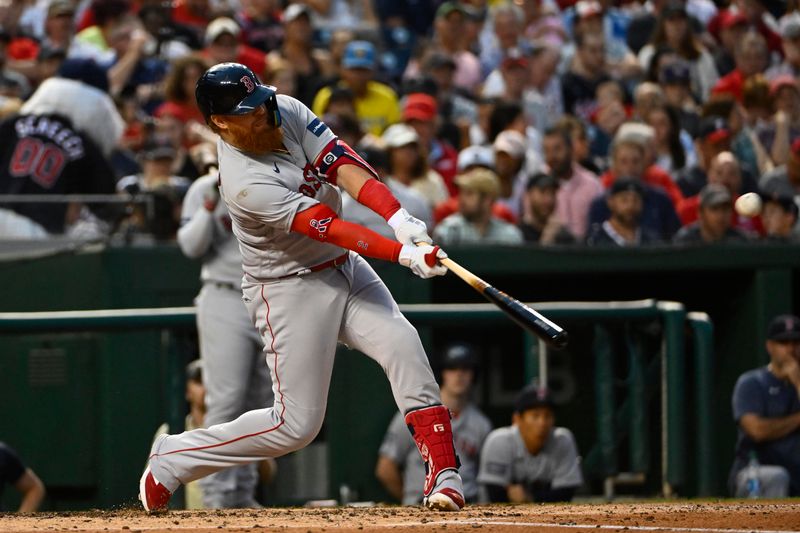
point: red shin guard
(430, 427)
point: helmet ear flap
(272, 107)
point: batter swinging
(305, 289)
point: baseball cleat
(446, 499)
(153, 495)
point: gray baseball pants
(300, 320)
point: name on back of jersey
(54, 130)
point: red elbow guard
(336, 154)
(321, 223)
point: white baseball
(748, 204)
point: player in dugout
(305, 289)
(531, 460)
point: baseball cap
(635, 132)
(729, 19)
(294, 11)
(588, 8)
(58, 8)
(479, 179)
(511, 142)
(475, 156)
(714, 194)
(784, 328)
(219, 26)
(194, 371)
(790, 26)
(86, 71)
(784, 80)
(47, 51)
(460, 355)
(359, 54)
(398, 135)
(532, 397)
(674, 9)
(786, 201)
(675, 72)
(713, 129)
(450, 7)
(420, 106)
(624, 184)
(439, 60)
(541, 180)
(158, 149)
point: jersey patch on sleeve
(317, 127)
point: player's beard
(260, 142)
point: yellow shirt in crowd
(377, 109)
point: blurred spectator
(543, 24)
(625, 200)
(195, 396)
(12, 84)
(745, 144)
(531, 460)
(510, 149)
(714, 137)
(674, 149)
(543, 101)
(751, 57)
(790, 40)
(48, 63)
(510, 79)
(587, 71)
(675, 80)
(674, 30)
(732, 28)
(784, 93)
(408, 164)
(456, 106)
(14, 472)
(179, 90)
(448, 36)
(628, 161)
(193, 14)
(305, 61)
(166, 190)
(400, 468)
(581, 152)
(110, 20)
(172, 40)
(577, 186)
(375, 103)
(59, 144)
(758, 17)
(130, 65)
(506, 27)
(170, 130)
(222, 39)
(780, 218)
(714, 223)
(766, 409)
(785, 179)
(474, 223)
(539, 224)
(420, 111)
(353, 15)
(261, 23)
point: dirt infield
(739, 517)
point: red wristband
(379, 198)
(320, 223)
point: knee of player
(303, 429)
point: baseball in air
(748, 204)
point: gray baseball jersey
(470, 429)
(264, 192)
(505, 460)
(299, 318)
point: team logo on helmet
(248, 84)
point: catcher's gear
(233, 89)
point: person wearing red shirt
(223, 46)
(179, 90)
(420, 112)
(751, 57)
(194, 14)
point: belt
(223, 285)
(333, 263)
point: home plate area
(722, 516)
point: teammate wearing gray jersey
(531, 460)
(305, 288)
(235, 372)
(400, 468)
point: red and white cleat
(153, 495)
(446, 499)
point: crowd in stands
(552, 122)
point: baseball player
(400, 468)
(531, 460)
(305, 288)
(236, 376)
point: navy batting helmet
(233, 89)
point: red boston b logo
(248, 83)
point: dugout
(81, 407)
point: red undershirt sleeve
(379, 198)
(321, 223)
